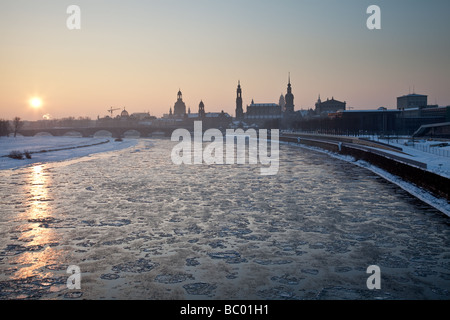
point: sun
(35, 102)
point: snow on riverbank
(436, 157)
(58, 148)
(440, 204)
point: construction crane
(112, 110)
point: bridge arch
(43, 134)
(132, 134)
(103, 133)
(73, 133)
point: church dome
(124, 113)
(180, 107)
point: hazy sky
(137, 54)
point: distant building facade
(142, 116)
(412, 101)
(185, 119)
(257, 114)
(329, 106)
(266, 114)
(263, 111)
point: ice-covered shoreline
(51, 149)
(436, 163)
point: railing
(434, 150)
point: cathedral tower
(239, 110)
(201, 110)
(289, 98)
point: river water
(140, 227)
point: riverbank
(409, 173)
(49, 149)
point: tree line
(10, 127)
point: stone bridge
(115, 132)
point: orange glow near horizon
(138, 54)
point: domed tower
(201, 110)
(179, 110)
(124, 114)
(289, 98)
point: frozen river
(139, 227)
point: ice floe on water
(140, 227)
(141, 265)
(200, 288)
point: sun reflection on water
(37, 238)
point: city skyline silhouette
(137, 55)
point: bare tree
(4, 127)
(17, 124)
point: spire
(239, 90)
(289, 98)
(289, 89)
